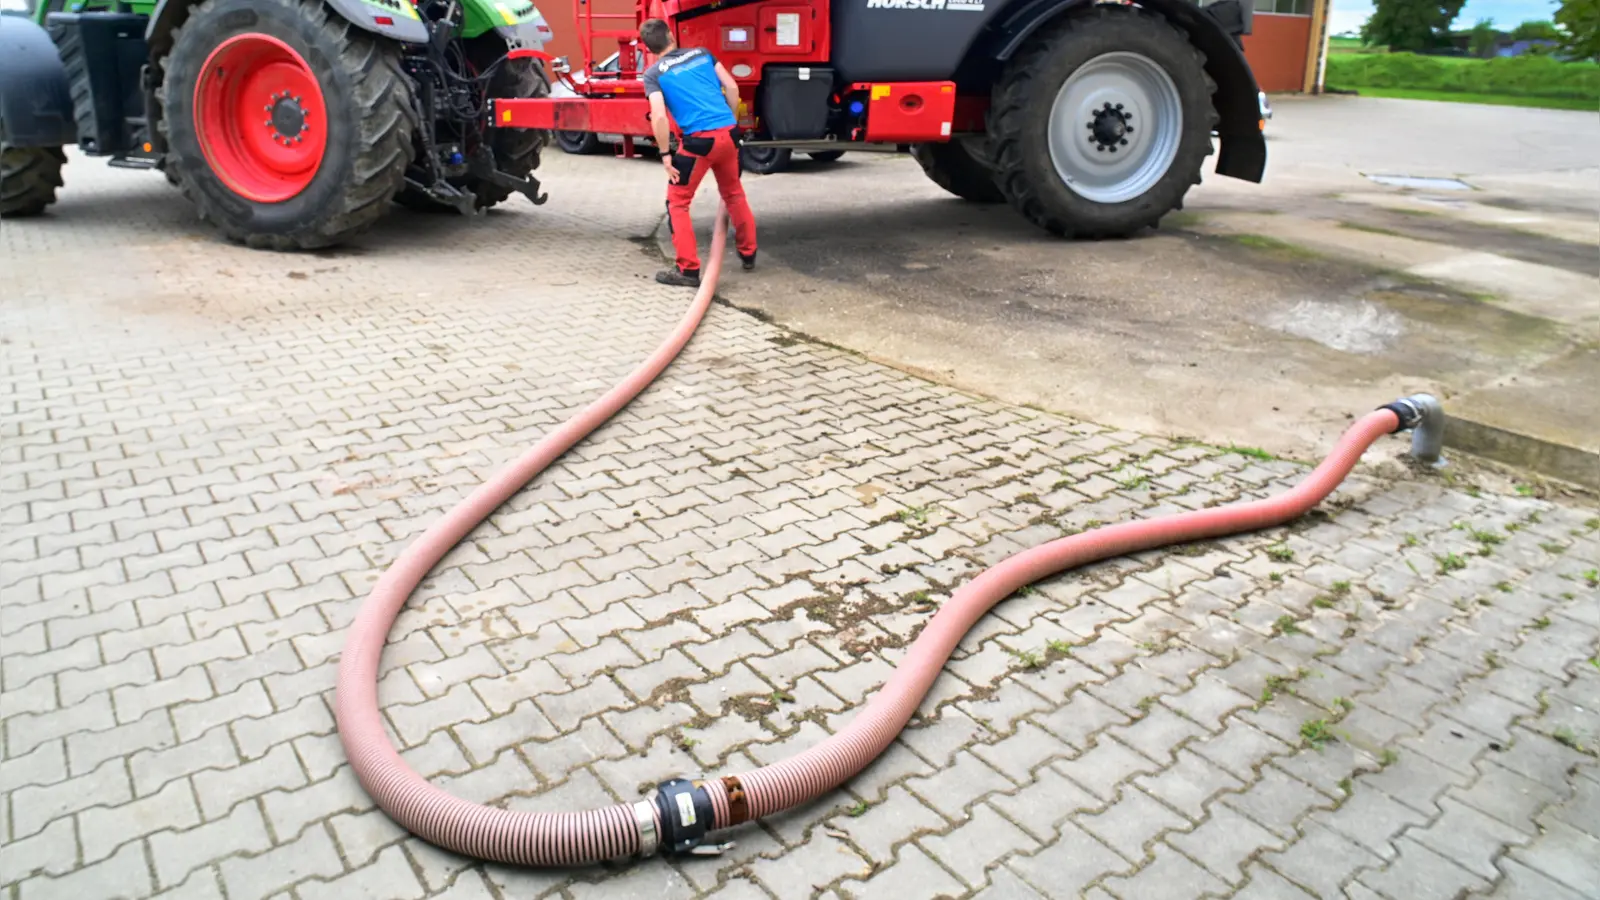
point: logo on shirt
(672, 62)
(956, 5)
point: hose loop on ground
(682, 813)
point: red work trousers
(698, 152)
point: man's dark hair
(656, 34)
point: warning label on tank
(957, 5)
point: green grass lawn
(1490, 99)
(1537, 81)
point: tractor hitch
(481, 164)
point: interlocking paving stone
(210, 452)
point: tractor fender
(1243, 151)
(35, 100)
(401, 22)
(530, 34)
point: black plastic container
(794, 102)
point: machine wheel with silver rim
(1101, 123)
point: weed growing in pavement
(1486, 537)
(1145, 703)
(1280, 553)
(1286, 624)
(1283, 683)
(781, 697)
(1592, 523)
(1343, 704)
(1492, 658)
(1317, 732)
(1027, 659)
(1542, 622)
(1532, 518)
(1251, 452)
(1566, 737)
(1411, 540)
(1591, 577)
(1450, 562)
(1340, 588)
(1135, 482)
(917, 514)
(1058, 647)
(1276, 576)
(1503, 587)
(1388, 757)
(859, 810)
(1552, 547)
(1345, 785)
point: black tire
(578, 143)
(370, 128)
(29, 177)
(516, 150)
(959, 167)
(1019, 122)
(765, 160)
(827, 156)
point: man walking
(702, 98)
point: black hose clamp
(685, 808)
(1409, 414)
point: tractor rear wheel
(578, 143)
(287, 128)
(29, 177)
(1101, 124)
(765, 160)
(959, 167)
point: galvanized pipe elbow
(1423, 416)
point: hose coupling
(1423, 416)
(644, 818)
(685, 812)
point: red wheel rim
(260, 118)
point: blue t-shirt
(688, 79)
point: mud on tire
(1019, 123)
(29, 177)
(370, 127)
(959, 167)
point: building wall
(562, 18)
(1276, 50)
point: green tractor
(290, 124)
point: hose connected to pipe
(681, 813)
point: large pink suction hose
(680, 814)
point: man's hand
(672, 171)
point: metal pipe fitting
(1423, 416)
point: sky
(1348, 15)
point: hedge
(1515, 76)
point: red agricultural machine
(1091, 118)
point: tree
(1580, 20)
(1482, 39)
(1535, 31)
(1413, 25)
